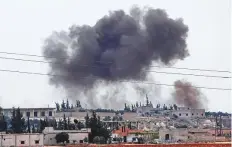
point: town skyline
(208, 43)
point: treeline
(66, 106)
(99, 134)
(133, 107)
(214, 114)
(102, 110)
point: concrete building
(184, 112)
(187, 135)
(75, 136)
(32, 112)
(21, 140)
(173, 135)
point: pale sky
(25, 24)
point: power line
(161, 72)
(123, 81)
(184, 68)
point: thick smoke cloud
(119, 46)
(187, 95)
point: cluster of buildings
(47, 137)
(181, 124)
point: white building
(75, 136)
(21, 140)
(184, 112)
(32, 112)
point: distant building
(21, 140)
(75, 136)
(190, 135)
(185, 112)
(32, 112)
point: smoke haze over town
(119, 46)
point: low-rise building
(32, 112)
(75, 136)
(173, 134)
(187, 135)
(21, 140)
(185, 112)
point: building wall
(187, 113)
(144, 109)
(48, 112)
(176, 134)
(74, 135)
(22, 140)
(49, 139)
(81, 115)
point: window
(50, 113)
(192, 114)
(179, 114)
(186, 114)
(28, 114)
(36, 141)
(35, 114)
(22, 142)
(202, 114)
(197, 113)
(42, 113)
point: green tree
(63, 107)
(41, 125)
(78, 104)
(171, 107)
(57, 106)
(17, 121)
(54, 124)
(33, 129)
(62, 137)
(72, 106)
(97, 128)
(137, 104)
(85, 139)
(69, 124)
(175, 107)
(60, 125)
(67, 104)
(28, 125)
(96, 140)
(87, 120)
(65, 123)
(147, 101)
(132, 107)
(3, 123)
(165, 107)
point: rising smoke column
(119, 46)
(187, 95)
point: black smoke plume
(118, 47)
